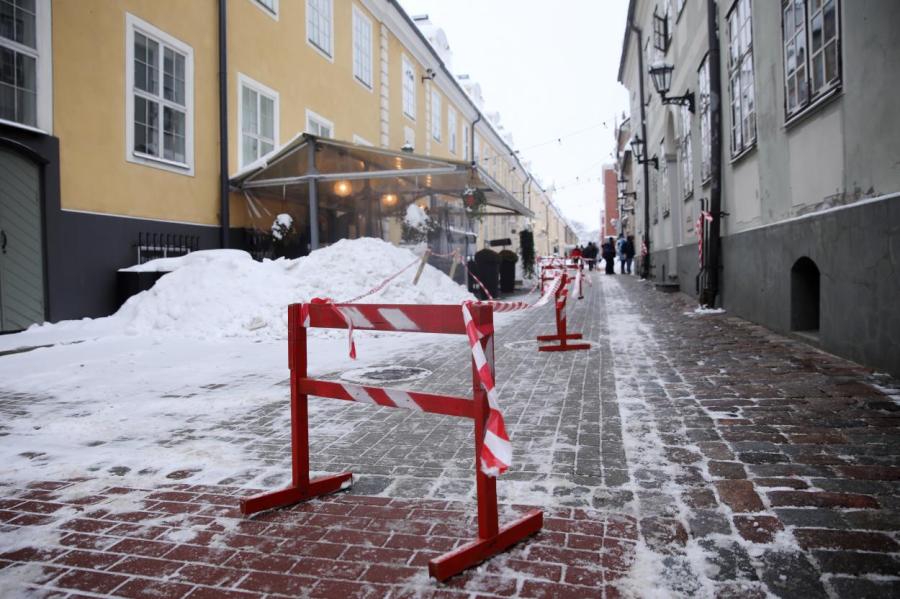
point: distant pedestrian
(609, 256)
(620, 252)
(628, 250)
(590, 254)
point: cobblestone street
(684, 454)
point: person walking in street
(620, 252)
(628, 250)
(609, 256)
(590, 254)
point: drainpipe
(645, 267)
(711, 288)
(224, 187)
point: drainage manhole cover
(385, 374)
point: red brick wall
(610, 203)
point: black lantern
(661, 76)
(637, 148)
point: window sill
(18, 125)
(367, 86)
(323, 53)
(740, 155)
(180, 168)
(823, 100)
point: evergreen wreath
(474, 201)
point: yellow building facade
(127, 135)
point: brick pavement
(713, 456)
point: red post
(486, 486)
(562, 335)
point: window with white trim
(318, 125)
(270, 5)
(18, 62)
(319, 25)
(451, 129)
(740, 72)
(409, 88)
(159, 80)
(665, 196)
(258, 117)
(362, 47)
(705, 124)
(436, 114)
(812, 47)
(409, 137)
(686, 154)
(465, 136)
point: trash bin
(487, 268)
(508, 259)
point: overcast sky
(550, 69)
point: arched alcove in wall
(805, 295)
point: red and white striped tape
(496, 450)
(698, 228)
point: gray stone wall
(857, 251)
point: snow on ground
(148, 387)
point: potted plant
(508, 259)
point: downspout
(711, 290)
(645, 269)
(224, 187)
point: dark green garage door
(21, 249)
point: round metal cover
(385, 374)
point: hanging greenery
(474, 201)
(526, 245)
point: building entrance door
(21, 246)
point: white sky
(550, 69)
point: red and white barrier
(562, 335)
(493, 450)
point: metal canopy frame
(258, 176)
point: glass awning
(287, 172)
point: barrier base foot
(565, 347)
(477, 551)
(559, 337)
(291, 495)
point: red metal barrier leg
(492, 539)
(561, 334)
(302, 488)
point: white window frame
(320, 121)
(437, 115)
(362, 55)
(802, 74)
(465, 134)
(328, 53)
(742, 77)
(703, 109)
(452, 129)
(408, 86)
(686, 154)
(42, 54)
(132, 24)
(271, 11)
(262, 90)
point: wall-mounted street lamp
(661, 76)
(637, 148)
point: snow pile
(282, 226)
(211, 294)
(701, 310)
(416, 218)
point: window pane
(791, 93)
(802, 86)
(788, 22)
(146, 57)
(266, 118)
(26, 72)
(265, 147)
(248, 106)
(815, 32)
(173, 76)
(831, 69)
(146, 125)
(7, 20)
(7, 102)
(25, 27)
(818, 72)
(7, 66)
(173, 134)
(250, 149)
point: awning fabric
(287, 172)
